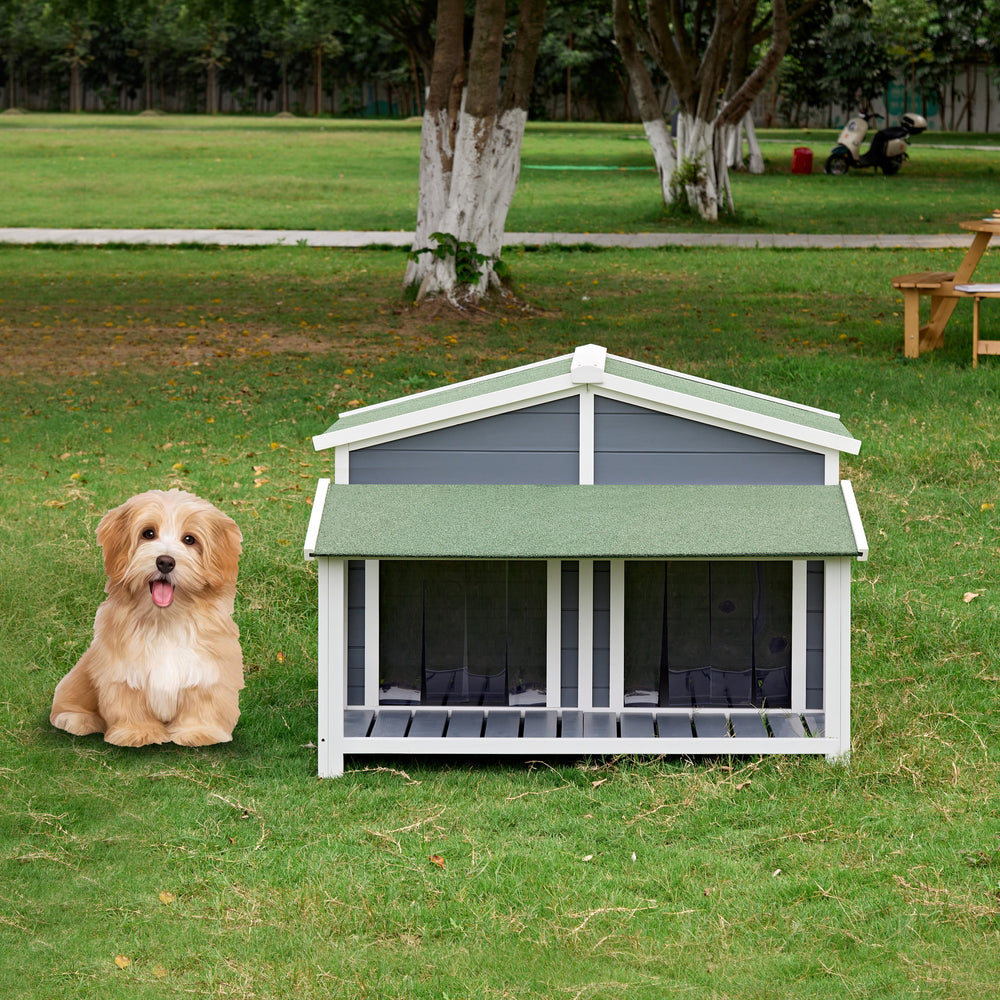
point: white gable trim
(454, 412)
(855, 516)
(732, 417)
(315, 516)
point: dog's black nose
(165, 564)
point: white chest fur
(165, 668)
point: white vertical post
(831, 468)
(837, 655)
(341, 465)
(617, 692)
(553, 634)
(372, 636)
(800, 619)
(332, 680)
(585, 661)
(586, 436)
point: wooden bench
(978, 293)
(940, 286)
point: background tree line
(344, 57)
(352, 57)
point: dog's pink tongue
(163, 593)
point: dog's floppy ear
(224, 543)
(114, 535)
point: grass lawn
(266, 173)
(232, 871)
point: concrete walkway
(400, 238)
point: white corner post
(837, 657)
(332, 680)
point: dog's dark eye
(149, 534)
(189, 540)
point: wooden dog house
(587, 555)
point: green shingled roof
(456, 391)
(581, 522)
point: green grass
(232, 871)
(187, 171)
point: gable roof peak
(588, 363)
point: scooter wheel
(892, 165)
(836, 165)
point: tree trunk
(660, 141)
(148, 82)
(318, 79)
(699, 63)
(753, 145)
(470, 149)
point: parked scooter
(887, 150)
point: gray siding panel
(371, 466)
(570, 619)
(355, 632)
(602, 634)
(814, 635)
(721, 469)
(537, 445)
(637, 445)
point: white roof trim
(453, 411)
(855, 515)
(315, 516)
(682, 403)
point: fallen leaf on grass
(438, 860)
(167, 897)
(122, 962)
(969, 596)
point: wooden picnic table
(940, 286)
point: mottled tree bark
(470, 149)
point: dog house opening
(465, 632)
(708, 634)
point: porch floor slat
(541, 723)
(391, 722)
(638, 725)
(674, 727)
(745, 726)
(428, 724)
(600, 725)
(357, 721)
(785, 725)
(503, 725)
(711, 725)
(466, 725)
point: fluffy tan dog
(165, 664)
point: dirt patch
(83, 349)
